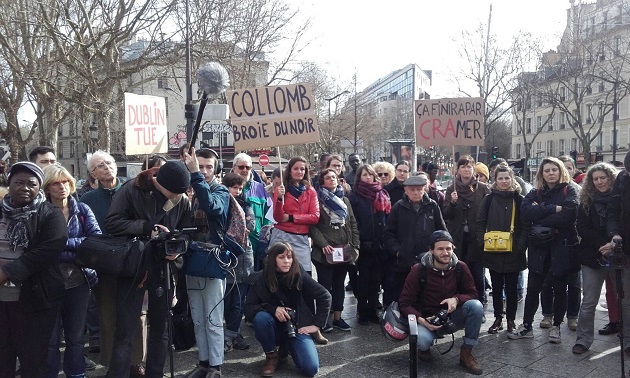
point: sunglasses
(244, 167)
(383, 174)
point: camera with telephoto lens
(617, 259)
(291, 329)
(442, 319)
(175, 242)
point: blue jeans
(91, 320)
(72, 317)
(467, 317)
(270, 333)
(234, 305)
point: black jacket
(396, 191)
(495, 214)
(407, 231)
(37, 269)
(618, 220)
(259, 298)
(593, 235)
(371, 225)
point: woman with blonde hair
(385, 172)
(549, 211)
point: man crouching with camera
(441, 282)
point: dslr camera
(617, 259)
(175, 242)
(291, 329)
(442, 319)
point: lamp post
(329, 100)
(188, 108)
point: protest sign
(145, 125)
(449, 122)
(273, 116)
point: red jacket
(305, 211)
(439, 285)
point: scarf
(296, 191)
(18, 217)
(375, 193)
(333, 205)
(466, 191)
(600, 204)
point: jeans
(333, 277)
(129, 300)
(468, 316)
(370, 270)
(534, 287)
(270, 333)
(509, 282)
(234, 305)
(593, 281)
(91, 319)
(205, 296)
(72, 319)
(25, 335)
(574, 296)
(476, 270)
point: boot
(468, 361)
(496, 326)
(271, 364)
(511, 326)
(318, 338)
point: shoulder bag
(113, 255)
(500, 241)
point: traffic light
(495, 152)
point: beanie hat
(174, 177)
(482, 169)
(440, 235)
(27, 166)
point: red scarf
(375, 193)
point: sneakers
(572, 324)
(579, 349)
(239, 343)
(546, 322)
(213, 373)
(341, 325)
(519, 298)
(554, 335)
(328, 327)
(89, 364)
(198, 372)
(227, 346)
(522, 332)
(610, 329)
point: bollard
(413, 348)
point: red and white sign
(263, 160)
(145, 125)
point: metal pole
(615, 115)
(188, 108)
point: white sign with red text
(145, 125)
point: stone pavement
(365, 352)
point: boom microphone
(213, 79)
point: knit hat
(482, 169)
(440, 235)
(27, 166)
(174, 177)
(416, 181)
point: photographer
(141, 208)
(441, 282)
(278, 307)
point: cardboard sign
(273, 116)
(449, 122)
(145, 125)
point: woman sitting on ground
(282, 287)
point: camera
(175, 242)
(617, 259)
(291, 329)
(442, 319)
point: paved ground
(365, 352)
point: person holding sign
(335, 242)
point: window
(529, 125)
(574, 145)
(589, 113)
(561, 147)
(550, 122)
(71, 128)
(60, 130)
(549, 151)
(617, 46)
(60, 149)
(562, 93)
(517, 151)
(162, 82)
(72, 147)
(539, 101)
(602, 87)
(538, 122)
(166, 105)
(562, 120)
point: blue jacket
(214, 201)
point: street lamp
(188, 108)
(329, 100)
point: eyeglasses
(383, 174)
(103, 164)
(244, 167)
(59, 184)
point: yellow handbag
(500, 241)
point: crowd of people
(301, 235)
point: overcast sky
(376, 38)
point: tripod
(169, 315)
(620, 296)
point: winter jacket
(562, 248)
(259, 298)
(245, 265)
(396, 190)
(37, 270)
(214, 201)
(324, 234)
(371, 225)
(618, 220)
(592, 236)
(99, 200)
(495, 214)
(260, 203)
(305, 211)
(465, 211)
(408, 230)
(439, 285)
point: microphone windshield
(213, 78)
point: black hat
(27, 166)
(440, 235)
(174, 176)
(416, 181)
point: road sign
(216, 127)
(263, 160)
